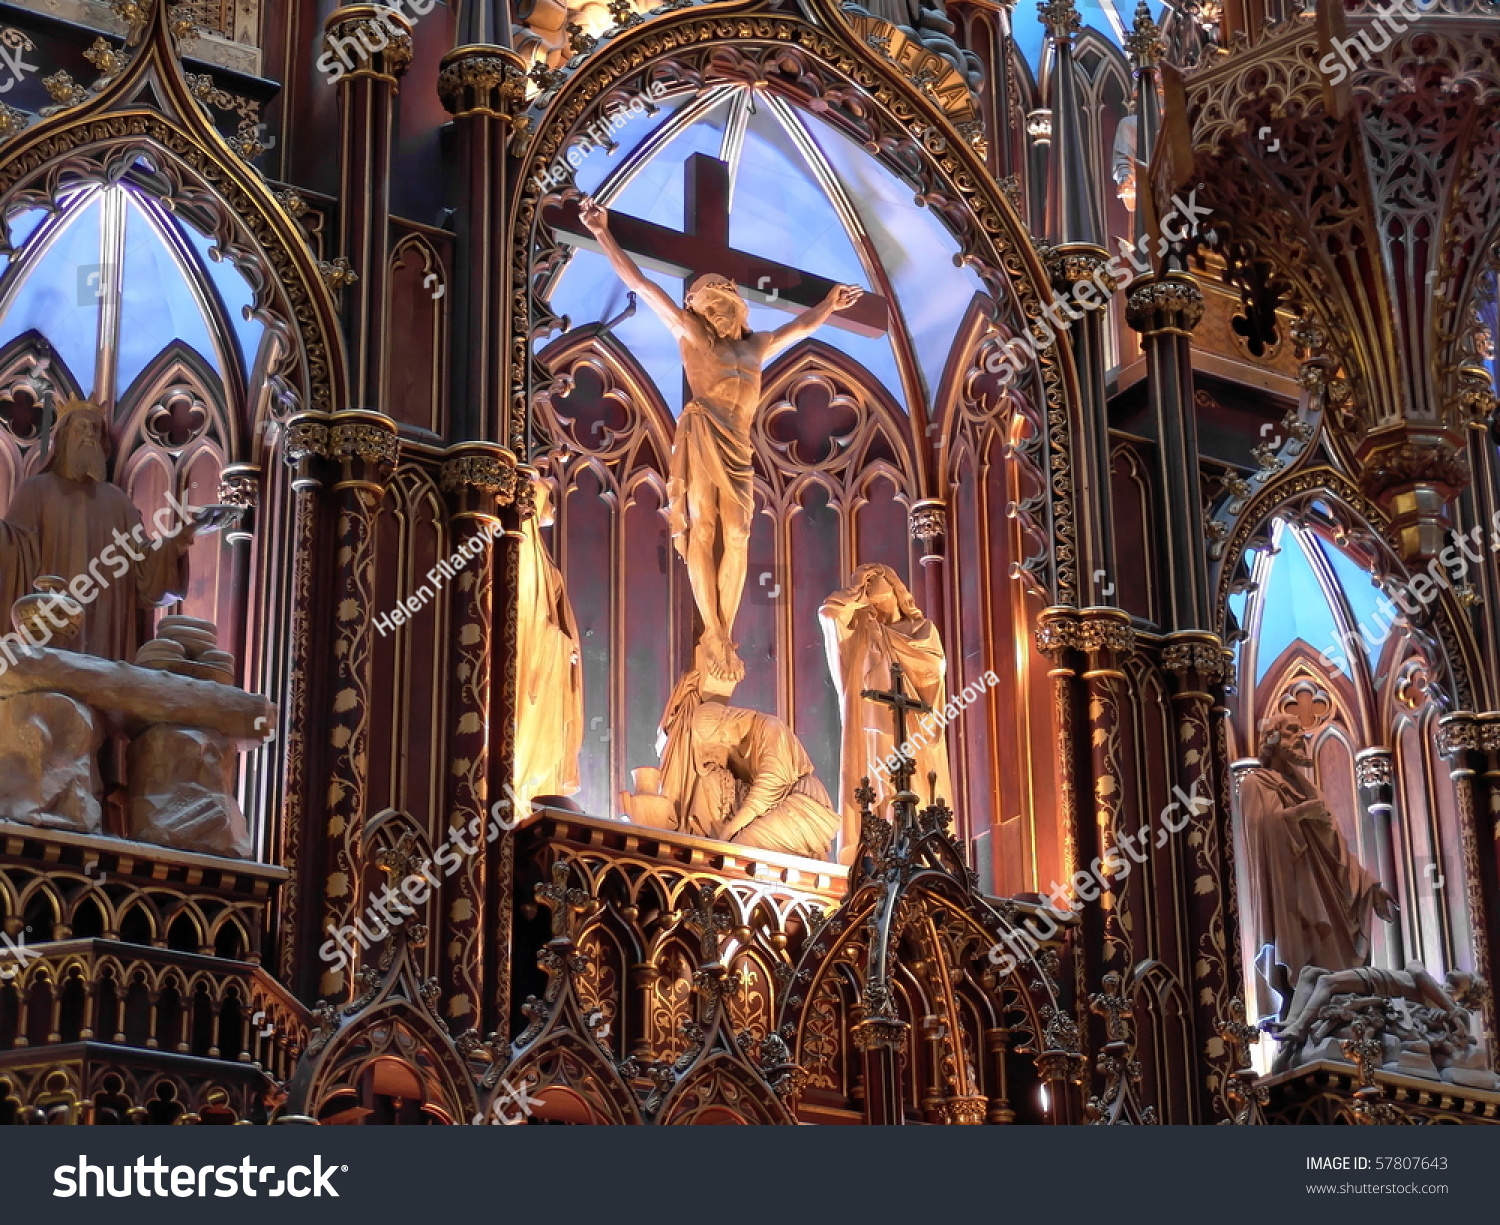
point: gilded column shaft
(501, 868)
(1208, 959)
(366, 448)
(1105, 635)
(477, 478)
(1461, 738)
(306, 445)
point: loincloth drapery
(706, 451)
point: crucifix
(703, 246)
(710, 490)
(896, 698)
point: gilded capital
(483, 80)
(368, 40)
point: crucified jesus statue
(709, 490)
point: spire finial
(1060, 17)
(1144, 42)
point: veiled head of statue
(80, 442)
(716, 300)
(886, 591)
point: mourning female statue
(866, 626)
(1308, 897)
(549, 688)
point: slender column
(305, 447)
(997, 1043)
(1208, 954)
(1106, 637)
(1077, 258)
(929, 530)
(366, 447)
(1056, 638)
(500, 868)
(483, 87)
(478, 478)
(1374, 771)
(881, 1041)
(367, 114)
(1468, 743)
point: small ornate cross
(896, 699)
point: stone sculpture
(88, 531)
(710, 491)
(549, 683)
(867, 625)
(1308, 897)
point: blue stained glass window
(234, 294)
(157, 305)
(791, 220)
(1112, 18)
(60, 295)
(590, 291)
(914, 248)
(1294, 605)
(599, 165)
(655, 193)
(1363, 596)
(804, 196)
(170, 289)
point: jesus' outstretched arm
(840, 297)
(596, 221)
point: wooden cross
(896, 699)
(704, 247)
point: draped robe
(17, 568)
(1308, 896)
(77, 527)
(549, 707)
(860, 649)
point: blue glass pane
(23, 225)
(1030, 36)
(1294, 607)
(589, 291)
(234, 293)
(915, 249)
(599, 165)
(60, 298)
(656, 191)
(157, 304)
(781, 212)
(1363, 596)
